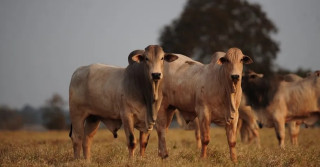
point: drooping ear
(137, 58)
(317, 73)
(222, 60)
(246, 60)
(216, 56)
(170, 57)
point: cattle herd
(156, 85)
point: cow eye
(147, 59)
(162, 58)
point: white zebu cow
(130, 96)
(212, 92)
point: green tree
(207, 26)
(53, 114)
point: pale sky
(43, 41)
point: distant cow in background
(279, 101)
(210, 92)
(130, 96)
(294, 126)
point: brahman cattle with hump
(130, 96)
(211, 92)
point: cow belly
(107, 114)
(188, 115)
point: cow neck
(137, 83)
(139, 88)
(224, 87)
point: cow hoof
(235, 161)
(115, 135)
(165, 156)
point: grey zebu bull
(212, 92)
(130, 96)
(288, 101)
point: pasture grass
(54, 148)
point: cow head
(251, 76)
(316, 73)
(152, 59)
(232, 63)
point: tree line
(51, 116)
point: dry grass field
(23, 148)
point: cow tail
(70, 133)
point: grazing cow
(130, 96)
(247, 125)
(210, 92)
(289, 101)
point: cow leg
(231, 132)
(204, 119)
(251, 135)
(294, 128)
(257, 136)
(279, 125)
(131, 141)
(165, 115)
(239, 126)
(244, 133)
(197, 132)
(144, 137)
(90, 129)
(77, 136)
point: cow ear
(170, 57)
(222, 60)
(260, 75)
(137, 58)
(247, 60)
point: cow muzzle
(234, 79)
(156, 76)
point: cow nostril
(156, 76)
(235, 77)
